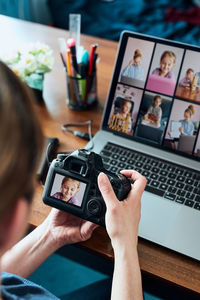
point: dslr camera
(71, 185)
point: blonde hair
(190, 109)
(65, 179)
(170, 54)
(20, 140)
(137, 54)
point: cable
(86, 136)
(83, 135)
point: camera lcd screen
(68, 190)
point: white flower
(33, 58)
(31, 62)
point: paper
(175, 132)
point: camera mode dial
(94, 207)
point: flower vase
(36, 85)
(38, 95)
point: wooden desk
(154, 260)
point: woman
(20, 149)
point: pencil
(69, 72)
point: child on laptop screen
(187, 80)
(154, 113)
(167, 62)
(121, 120)
(187, 126)
(134, 69)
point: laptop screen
(155, 94)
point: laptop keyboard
(167, 180)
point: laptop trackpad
(168, 224)
(186, 225)
(158, 217)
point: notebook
(138, 136)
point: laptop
(170, 214)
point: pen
(91, 58)
(63, 61)
(93, 71)
(94, 62)
(63, 48)
(69, 69)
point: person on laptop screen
(121, 119)
(134, 69)
(167, 62)
(186, 124)
(187, 80)
(154, 113)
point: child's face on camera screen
(166, 64)
(69, 189)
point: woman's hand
(122, 217)
(65, 228)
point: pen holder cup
(81, 92)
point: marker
(85, 57)
(71, 44)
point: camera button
(94, 207)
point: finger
(106, 189)
(139, 180)
(87, 229)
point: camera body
(75, 177)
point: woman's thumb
(106, 189)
